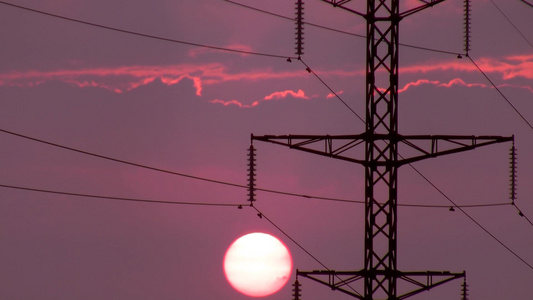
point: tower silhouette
(382, 159)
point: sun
(257, 264)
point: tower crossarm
(432, 279)
(344, 5)
(336, 280)
(427, 4)
(416, 282)
(341, 147)
(416, 147)
(429, 146)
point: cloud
(332, 95)
(457, 82)
(283, 94)
(117, 79)
(206, 75)
(520, 66)
(449, 84)
(234, 102)
(127, 78)
(509, 67)
(273, 96)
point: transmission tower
(381, 161)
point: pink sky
(191, 110)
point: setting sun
(257, 264)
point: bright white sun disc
(257, 264)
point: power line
(261, 215)
(438, 189)
(292, 19)
(472, 219)
(120, 198)
(117, 160)
(462, 205)
(424, 177)
(330, 89)
(213, 180)
(163, 170)
(336, 30)
(230, 184)
(142, 34)
(524, 1)
(221, 182)
(240, 206)
(500, 92)
(511, 22)
(488, 78)
(407, 45)
(145, 35)
(521, 214)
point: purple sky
(191, 110)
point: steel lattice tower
(382, 160)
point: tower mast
(381, 160)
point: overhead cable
(262, 216)
(171, 172)
(525, 2)
(121, 198)
(511, 22)
(521, 214)
(216, 181)
(500, 92)
(337, 30)
(331, 90)
(472, 219)
(416, 170)
(292, 19)
(142, 34)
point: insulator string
(464, 290)
(467, 9)
(296, 290)
(513, 171)
(299, 27)
(251, 174)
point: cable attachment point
(296, 290)
(251, 174)
(513, 176)
(299, 27)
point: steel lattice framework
(381, 142)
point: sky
(190, 109)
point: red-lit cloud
(333, 95)
(127, 78)
(508, 68)
(451, 83)
(283, 94)
(522, 66)
(458, 82)
(300, 94)
(235, 103)
(122, 79)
